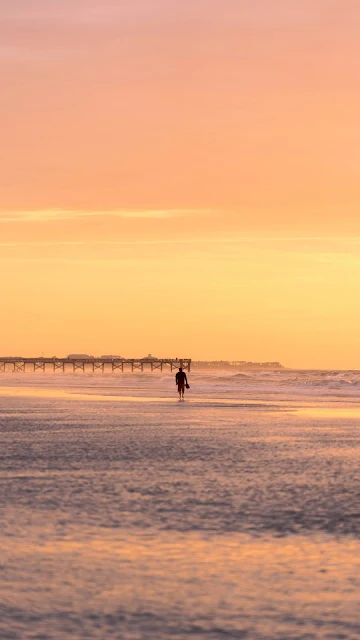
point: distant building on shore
(80, 356)
(257, 365)
(236, 364)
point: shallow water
(127, 514)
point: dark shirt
(181, 378)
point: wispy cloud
(64, 214)
(335, 244)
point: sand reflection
(172, 577)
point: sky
(181, 178)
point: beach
(128, 514)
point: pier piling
(19, 365)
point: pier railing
(92, 364)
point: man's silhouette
(181, 381)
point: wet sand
(126, 514)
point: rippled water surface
(127, 514)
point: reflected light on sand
(329, 412)
(38, 392)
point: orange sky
(181, 178)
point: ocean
(127, 514)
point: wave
(293, 382)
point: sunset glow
(181, 178)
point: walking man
(181, 381)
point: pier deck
(92, 364)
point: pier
(92, 364)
